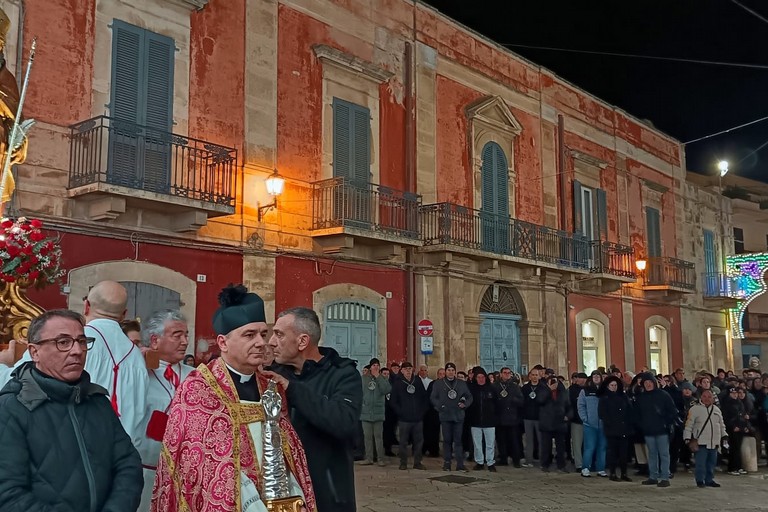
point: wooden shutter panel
(127, 73)
(653, 232)
(361, 152)
(160, 53)
(342, 139)
(577, 218)
(487, 173)
(602, 214)
(501, 179)
(710, 260)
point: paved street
(389, 489)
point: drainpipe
(20, 45)
(410, 187)
(561, 169)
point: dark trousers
(431, 433)
(545, 444)
(617, 454)
(510, 443)
(413, 431)
(675, 448)
(452, 442)
(388, 430)
(734, 450)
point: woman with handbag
(704, 433)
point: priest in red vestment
(212, 453)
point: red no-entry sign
(425, 328)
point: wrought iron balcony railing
(612, 258)
(340, 202)
(451, 224)
(717, 285)
(121, 153)
(670, 272)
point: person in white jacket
(705, 424)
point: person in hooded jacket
(737, 425)
(594, 438)
(554, 416)
(654, 416)
(482, 418)
(615, 411)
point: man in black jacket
(654, 416)
(410, 402)
(482, 419)
(64, 447)
(578, 381)
(531, 390)
(508, 418)
(325, 396)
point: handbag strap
(711, 410)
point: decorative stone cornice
(588, 159)
(340, 59)
(493, 110)
(195, 4)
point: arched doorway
(499, 332)
(593, 353)
(350, 329)
(658, 349)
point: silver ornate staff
(12, 142)
(277, 489)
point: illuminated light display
(748, 270)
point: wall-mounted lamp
(640, 264)
(275, 184)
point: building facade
(428, 173)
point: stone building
(427, 172)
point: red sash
(115, 369)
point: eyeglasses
(65, 343)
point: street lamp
(641, 264)
(722, 165)
(275, 184)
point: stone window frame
(666, 352)
(503, 128)
(597, 316)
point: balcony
(720, 290)
(670, 275)
(115, 164)
(453, 228)
(611, 265)
(345, 212)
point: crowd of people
(597, 425)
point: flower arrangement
(26, 254)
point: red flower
(6, 224)
(36, 223)
(34, 275)
(33, 259)
(25, 227)
(13, 251)
(27, 249)
(2, 244)
(36, 236)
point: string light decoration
(748, 271)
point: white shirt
(426, 381)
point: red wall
(610, 307)
(297, 279)
(221, 269)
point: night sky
(684, 100)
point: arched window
(593, 354)
(658, 349)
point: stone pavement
(389, 489)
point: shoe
(602, 474)
(518, 465)
(743, 472)
(625, 478)
(671, 476)
(734, 473)
(585, 473)
(650, 481)
(526, 465)
(478, 467)
(381, 463)
(419, 466)
(403, 466)
(563, 470)
(492, 469)
(389, 453)
(700, 485)
(712, 484)
(578, 468)
(365, 463)
(663, 483)
(545, 469)
(446, 467)
(463, 469)
(614, 478)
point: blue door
(350, 329)
(499, 342)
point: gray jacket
(449, 407)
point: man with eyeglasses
(64, 448)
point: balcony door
(141, 108)
(352, 203)
(494, 212)
(590, 222)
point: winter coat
(530, 403)
(554, 409)
(375, 391)
(573, 392)
(409, 407)
(734, 415)
(587, 406)
(449, 407)
(64, 448)
(654, 413)
(325, 401)
(707, 433)
(508, 408)
(483, 411)
(615, 411)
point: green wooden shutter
(351, 141)
(653, 232)
(342, 139)
(602, 214)
(361, 153)
(487, 175)
(160, 53)
(577, 217)
(127, 73)
(501, 181)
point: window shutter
(361, 153)
(342, 140)
(577, 218)
(127, 76)
(602, 214)
(710, 260)
(653, 234)
(488, 197)
(501, 179)
(160, 53)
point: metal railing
(718, 285)
(340, 202)
(612, 258)
(670, 272)
(117, 152)
(451, 224)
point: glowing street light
(722, 165)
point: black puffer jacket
(615, 409)
(555, 410)
(654, 412)
(409, 407)
(482, 413)
(325, 400)
(509, 407)
(64, 449)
